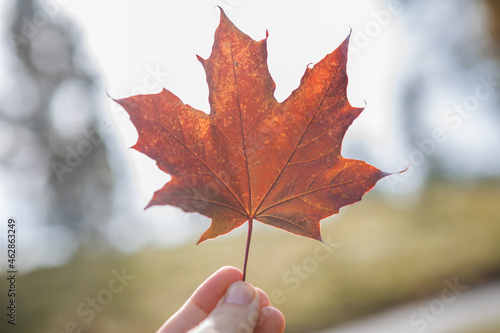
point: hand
(225, 304)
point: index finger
(202, 301)
(208, 294)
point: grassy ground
(491, 328)
(383, 253)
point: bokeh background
(420, 253)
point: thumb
(237, 312)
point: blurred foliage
(382, 254)
(56, 142)
(493, 12)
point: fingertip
(229, 271)
(271, 320)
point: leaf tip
(403, 171)
(201, 60)
(223, 16)
(109, 96)
(202, 239)
(345, 43)
(386, 174)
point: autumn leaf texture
(253, 158)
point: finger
(211, 291)
(271, 320)
(264, 299)
(238, 311)
(187, 317)
(202, 302)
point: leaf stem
(249, 236)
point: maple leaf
(253, 158)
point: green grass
(385, 253)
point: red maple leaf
(253, 158)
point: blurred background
(420, 253)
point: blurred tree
(493, 13)
(446, 64)
(56, 145)
(493, 22)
